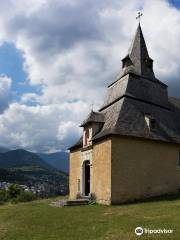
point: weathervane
(139, 16)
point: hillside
(40, 221)
(21, 158)
(59, 160)
(26, 168)
(12, 176)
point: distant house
(130, 148)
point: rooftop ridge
(149, 79)
(135, 98)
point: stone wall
(74, 173)
(126, 169)
(101, 171)
(143, 168)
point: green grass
(40, 221)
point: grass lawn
(40, 221)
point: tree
(3, 196)
(13, 191)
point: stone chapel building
(130, 148)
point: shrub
(13, 191)
(24, 197)
(16, 194)
(3, 196)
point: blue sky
(175, 3)
(11, 64)
(56, 59)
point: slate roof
(136, 94)
(139, 57)
(129, 120)
(139, 88)
(93, 117)
(78, 144)
(126, 117)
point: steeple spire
(137, 60)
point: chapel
(130, 148)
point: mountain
(59, 160)
(22, 158)
(27, 168)
(4, 149)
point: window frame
(178, 160)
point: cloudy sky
(58, 56)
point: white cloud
(66, 131)
(5, 92)
(62, 42)
(41, 128)
(73, 54)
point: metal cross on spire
(139, 16)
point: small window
(178, 160)
(150, 121)
(123, 64)
(86, 136)
(126, 62)
(149, 64)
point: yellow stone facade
(74, 173)
(143, 168)
(125, 169)
(100, 159)
(101, 171)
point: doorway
(86, 178)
